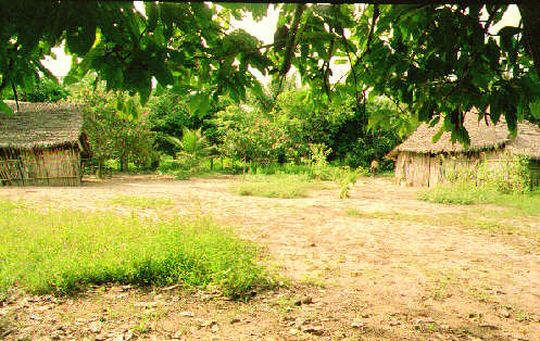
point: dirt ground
(380, 265)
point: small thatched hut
(41, 144)
(420, 162)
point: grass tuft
(141, 202)
(62, 251)
(275, 186)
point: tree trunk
(123, 163)
(530, 13)
(99, 174)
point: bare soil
(380, 265)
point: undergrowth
(62, 251)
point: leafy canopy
(437, 60)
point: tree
(168, 114)
(184, 45)
(116, 134)
(439, 60)
(194, 149)
(45, 90)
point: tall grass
(61, 251)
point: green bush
(62, 251)
(346, 178)
(319, 164)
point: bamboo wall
(43, 167)
(535, 173)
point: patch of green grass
(521, 204)
(275, 186)
(142, 202)
(353, 212)
(61, 251)
(462, 194)
(313, 280)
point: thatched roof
(483, 134)
(40, 125)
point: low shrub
(319, 164)
(345, 179)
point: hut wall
(425, 170)
(61, 167)
(413, 169)
(49, 167)
(535, 172)
(9, 166)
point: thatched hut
(420, 162)
(41, 144)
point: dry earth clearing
(380, 265)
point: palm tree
(194, 147)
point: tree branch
(374, 18)
(530, 13)
(291, 45)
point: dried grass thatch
(483, 135)
(40, 125)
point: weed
(142, 327)
(313, 281)
(481, 295)
(61, 251)
(353, 212)
(440, 291)
(285, 304)
(522, 316)
(319, 163)
(345, 179)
